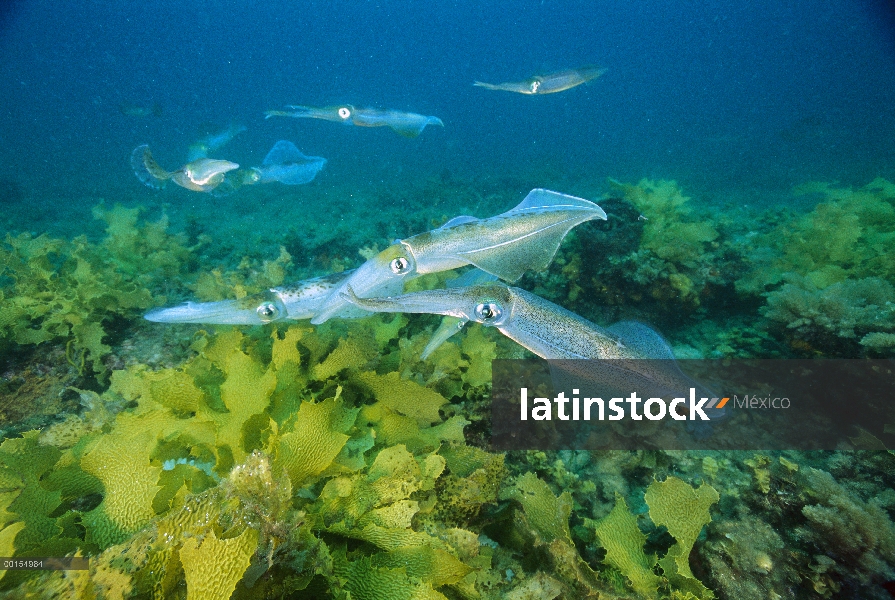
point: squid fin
(641, 338)
(535, 250)
(547, 200)
(146, 169)
(458, 221)
(411, 130)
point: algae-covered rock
(668, 230)
(547, 519)
(405, 397)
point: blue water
(732, 100)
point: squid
(552, 332)
(285, 164)
(202, 175)
(521, 239)
(404, 123)
(450, 326)
(547, 84)
(542, 327)
(212, 142)
(290, 302)
(295, 302)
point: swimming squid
(544, 328)
(521, 239)
(202, 175)
(212, 141)
(285, 163)
(140, 110)
(293, 302)
(547, 84)
(405, 123)
(552, 332)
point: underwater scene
(258, 259)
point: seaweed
(73, 292)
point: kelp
(204, 462)
(70, 292)
(333, 462)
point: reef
(331, 462)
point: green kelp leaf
(175, 389)
(619, 535)
(386, 331)
(391, 429)
(24, 462)
(683, 510)
(481, 351)
(213, 566)
(547, 517)
(464, 460)
(448, 366)
(351, 353)
(685, 586)
(220, 346)
(375, 506)
(475, 479)
(291, 378)
(404, 397)
(285, 349)
(122, 461)
(317, 437)
(427, 564)
(366, 582)
(245, 392)
(352, 455)
(547, 514)
(7, 540)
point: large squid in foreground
(202, 175)
(547, 84)
(405, 123)
(552, 332)
(544, 328)
(524, 238)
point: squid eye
(267, 312)
(489, 311)
(400, 265)
(534, 86)
(344, 113)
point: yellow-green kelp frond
(55, 290)
(252, 452)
